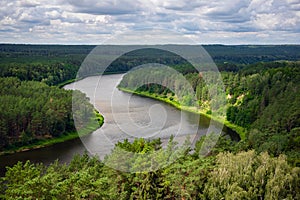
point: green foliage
(54, 64)
(49, 73)
(251, 176)
(245, 175)
(267, 99)
(272, 106)
(51, 64)
(263, 98)
(249, 54)
(32, 111)
(185, 90)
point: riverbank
(89, 128)
(239, 130)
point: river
(125, 116)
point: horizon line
(206, 44)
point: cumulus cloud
(28, 3)
(105, 7)
(92, 21)
(183, 5)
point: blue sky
(201, 21)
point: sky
(191, 21)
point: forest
(263, 98)
(227, 173)
(261, 84)
(32, 111)
(56, 64)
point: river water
(125, 116)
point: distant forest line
(56, 64)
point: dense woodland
(33, 111)
(261, 84)
(229, 174)
(263, 98)
(54, 64)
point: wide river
(125, 116)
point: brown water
(126, 116)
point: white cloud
(267, 21)
(28, 3)
(105, 7)
(82, 21)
